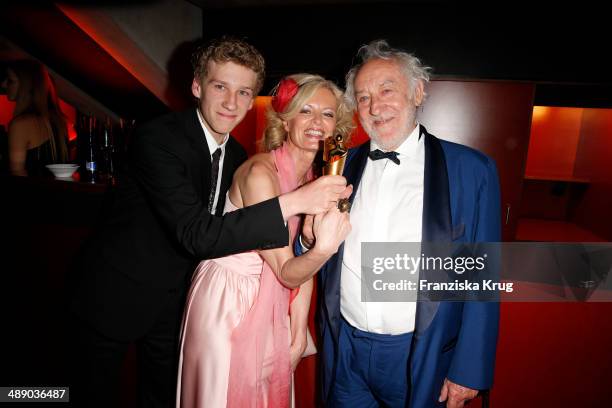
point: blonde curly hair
(275, 133)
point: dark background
(563, 49)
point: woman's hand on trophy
(307, 237)
(330, 230)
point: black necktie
(214, 174)
(379, 154)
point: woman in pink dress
(245, 323)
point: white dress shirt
(388, 207)
(212, 147)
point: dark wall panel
(550, 45)
(493, 117)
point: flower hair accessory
(287, 88)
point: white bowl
(62, 170)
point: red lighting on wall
(100, 27)
(6, 111)
(555, 133)
(70, 113)
(359, 135)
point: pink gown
(235, 336)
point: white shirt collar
(409, 147)
(210, 140)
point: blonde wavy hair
(275, 133)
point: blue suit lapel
(437, 224)
(436, 194)
(353, 170)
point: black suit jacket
(158, 227)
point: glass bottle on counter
(101, 147)
(125, 133)
(91, 152)
(108, 152)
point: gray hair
(414, 70)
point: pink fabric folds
(260, 368)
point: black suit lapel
(436, 215)
(229, 166)
(202, 162)
(355, 166)
(195, 133)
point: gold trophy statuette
(334, 156)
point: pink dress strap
(260, 368)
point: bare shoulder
(23, 131)
(24, 123)
(259, 166)
(256, 179)
(255, 171)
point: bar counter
(45, 222)
(52, 201)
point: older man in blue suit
(409, 186)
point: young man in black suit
(134, 275)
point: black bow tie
(379, 154)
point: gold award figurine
(334, 156)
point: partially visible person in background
(3, 135)
(37, 134)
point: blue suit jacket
(452, 339)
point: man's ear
(196, 88)
(419, 93)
